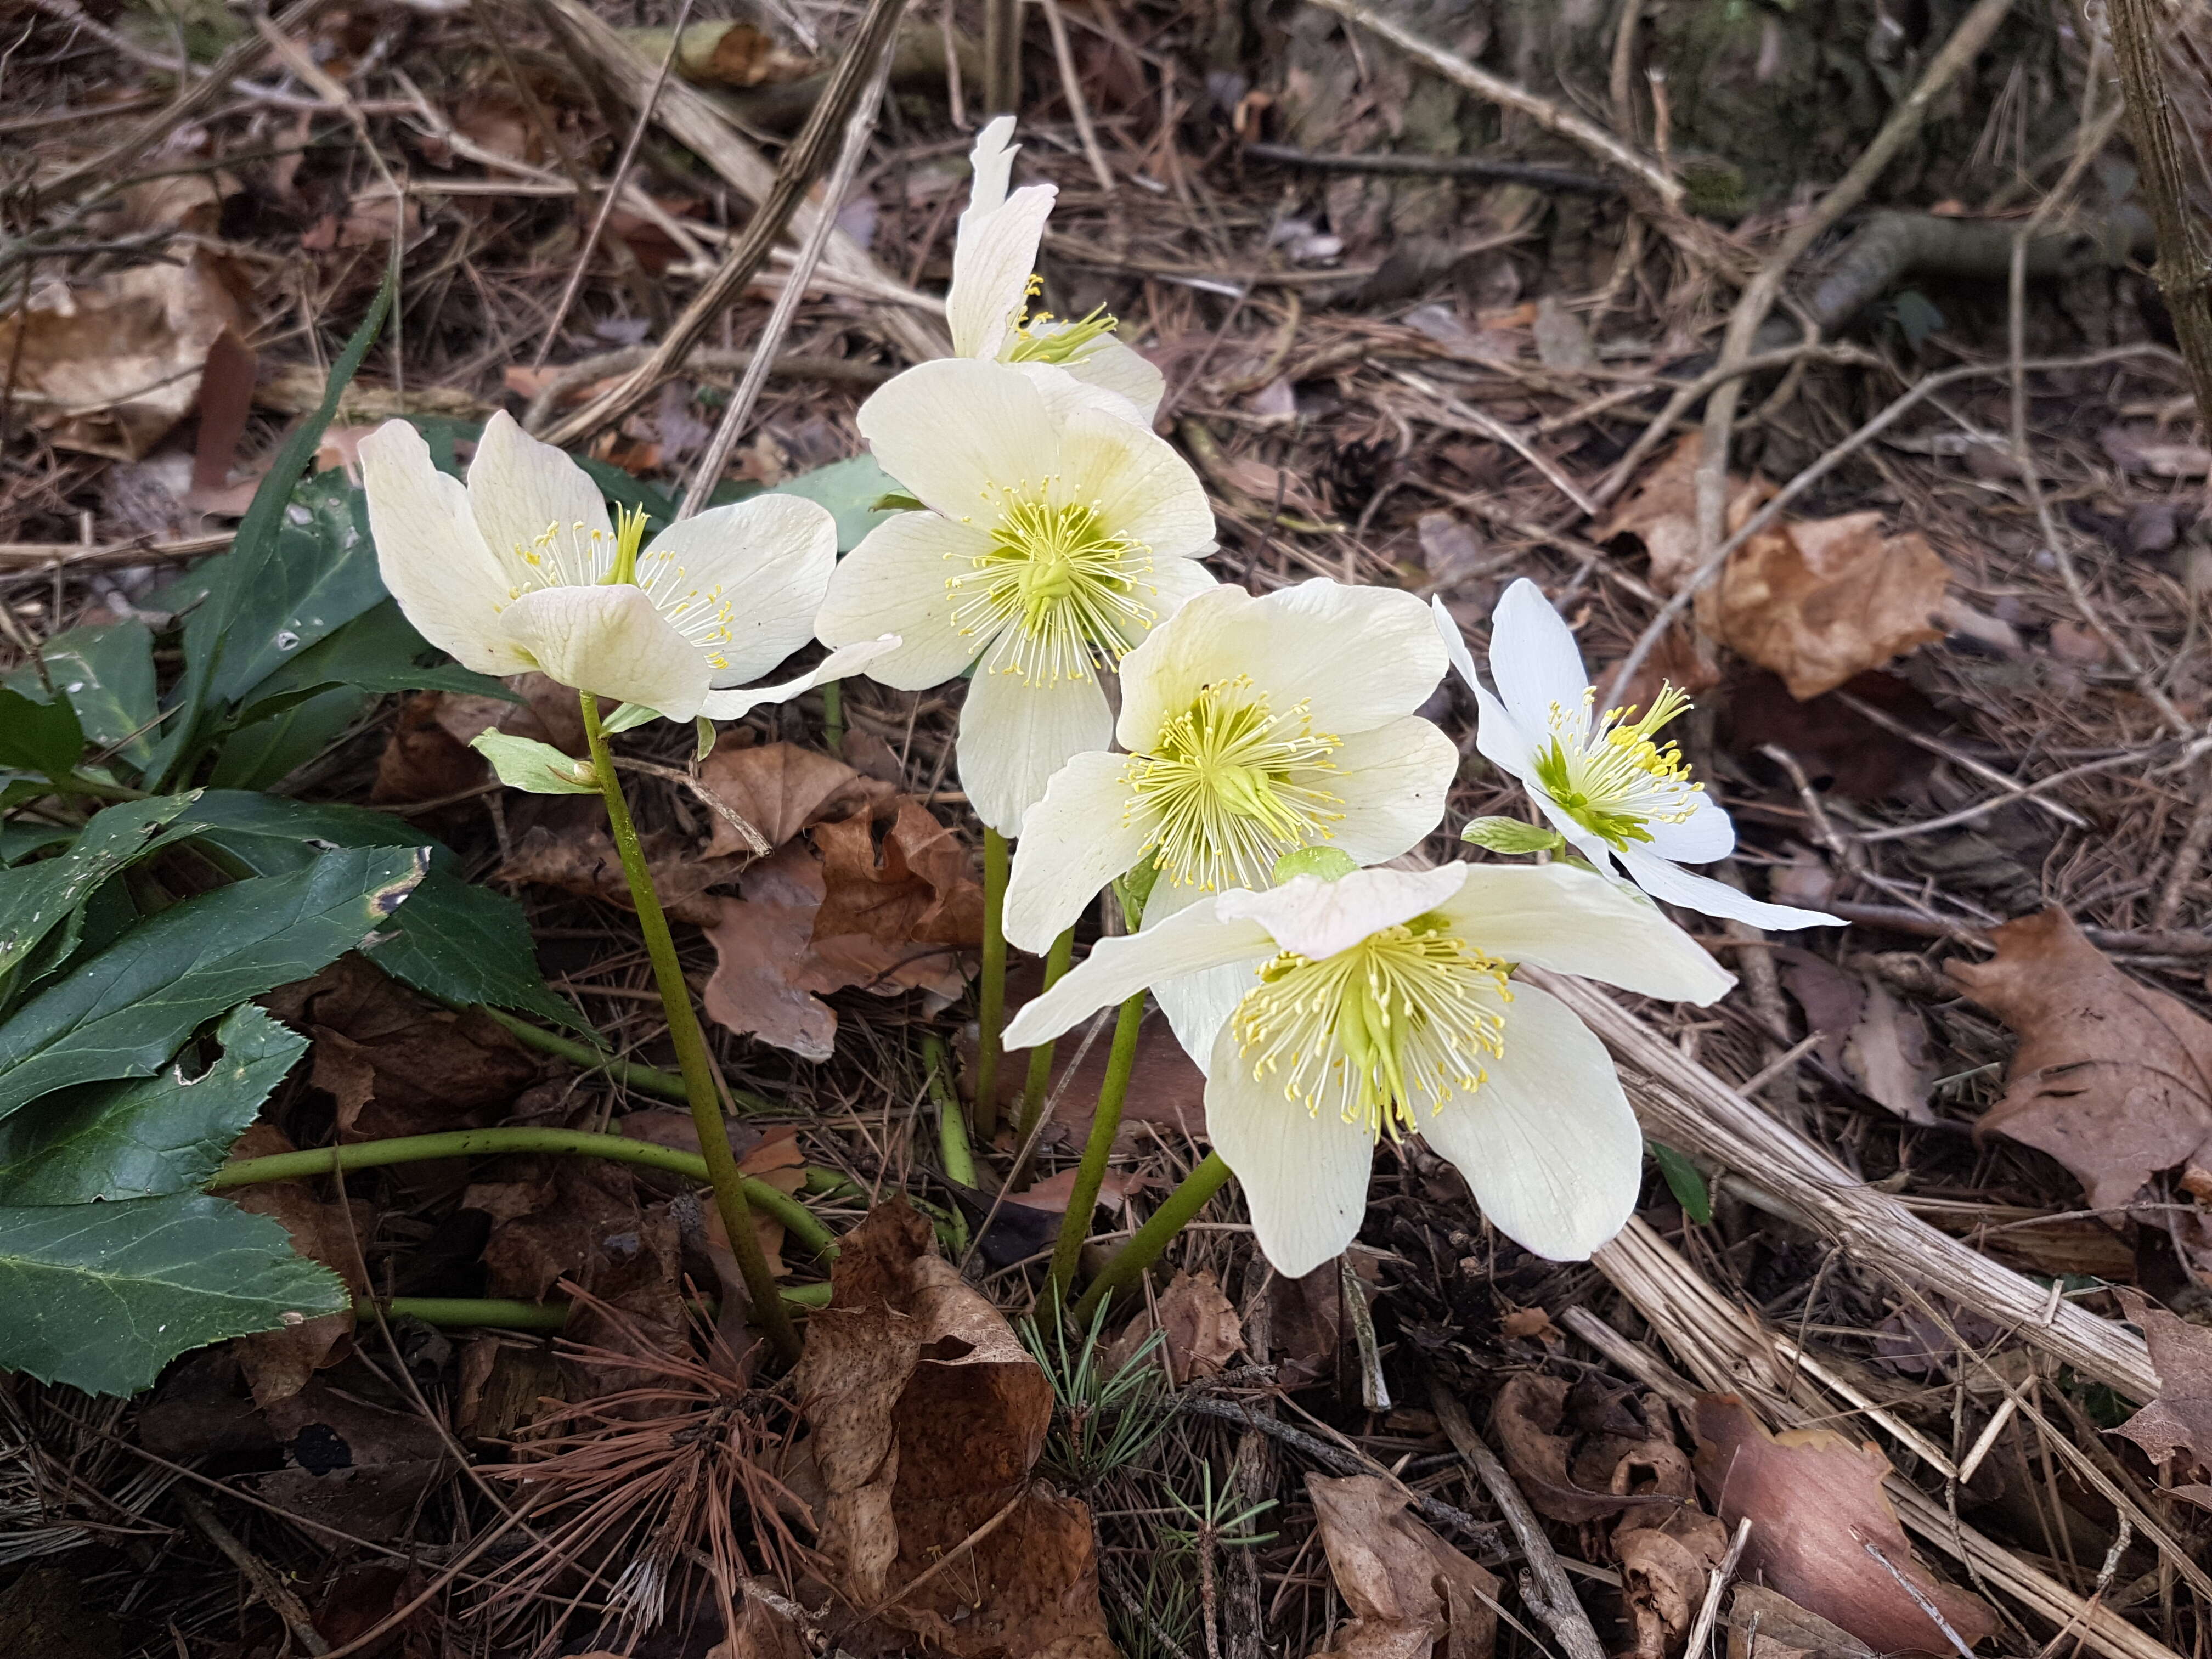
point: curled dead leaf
(2177, 1427)
(1823, 1532)
(1410, 1593)
(1582, 1453)
(2113, 1079)
(1665, 1566)
(782, 788)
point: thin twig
(266, 1585)
(1078, 106)
(751, 837)
(1702, 1631)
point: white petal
(610, 641)
(1142, 486)
(1549, 1143)
(957, 431)
(1303, 1174)
(1534, 660)
(1080, 836)
(1706, 834)
(1448, 630)
(1393, 782)
(520, 488)
(894, 583)
(1356, 657)
(432, 558)
(770, 559)
(1575, 922)
(993, 161)
(1317, 918)
(1198, 1004)
(1065, 391)
(993, 259)
(1663, 880)
(845, 661)
(1123, 371)
(1014, 735)
(1172, 584)
(1118, 969)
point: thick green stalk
(1091, 1174)
(1033, 1087)
(644, 1078)
(496, 1314)
(990, 999)
(1145, 1244)
(691, 1050)
(832, 716)
(797, 1220)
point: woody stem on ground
(797, 1220)
(1145, 1244)
(991, 995)
(691, 1050)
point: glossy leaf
(464, 944)
(150, 1137)
(107, 675)
(39, 736)
(36, 898)
(101, 1297)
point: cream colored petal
(1123, 371)
(955, 432)
(1354, 657)
(1198, 1004)
(1448, 630)
(1064, 392)
(520, 488)
(1168, 584)
(1014, 735)
(1080, 836)
(1317, 918)
(610, 641)
(992, 264)
(894, 582)
(1661, 879)
(1534, 660)
(1140, 486)
(1574, 922)
(434, 561)
(1548, 1143)
(1118, 969)
(1392, 782)
(1303, 1174)
(743, 581)
(845, 662)
(1704, 835)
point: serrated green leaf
(852, 490)
(107, 675)
(537, 767)
(151, 1137)
(20, 839)
(39, 736)
(1512, 836)
(378, 650)
(464, 944)
(268, 751)
(101, 1296)
(125, 1012)
(36, 898)
(322, 577)
(276, 836)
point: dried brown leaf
(2180, 1419)
(1664, 1567)
(782, 788)
(278, 1364)
(1764, 1624)
(1817, 1509)
(1546, 1462)
(1410, 1593)
(759, 943)
(1202, 1333)
(927, 1416)
(2113, 1079)
(108, 367)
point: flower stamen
(1615, 778)
(1230, 785)
(1059, 583)
(1410, 1013)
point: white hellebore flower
(994, 279)
(1608, 784)
(1254, 727)
(1379, 1003)
(1057, 534)
(521, 568)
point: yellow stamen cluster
(1229, 787)
(1064, 584)
(1616, 778)
(582, 556)
(1408, 1014)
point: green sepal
(537, 768)
(1511, 835)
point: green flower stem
(1091, 1174)
(643, 1078)
(832, 716)
(496, 1314)
(691, 1050)
(951, 1126)
(797, 1220)
(991, 1001)
(1055, 964)
(1145, 1244)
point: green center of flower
(1069, 343)
(1409, 1013)
(630, 535)
(1617, 778)
(1060, 582)
(1230, 785)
